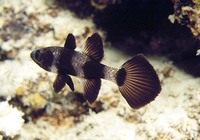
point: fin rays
(141, 84)
(91, 89)
(137, 80)
(94, 47)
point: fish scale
(137, 80)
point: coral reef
(187, 13)
(10, 119)
(33, 111)
(143, 27)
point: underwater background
(166, 32)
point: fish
(136, 79)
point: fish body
(137, 79)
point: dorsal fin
(94, 47)
(70, 42)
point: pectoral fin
(70, 42)
(60, 82)
(91, 89)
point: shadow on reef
(142, 26)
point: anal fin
(91, 89)
(60, 82)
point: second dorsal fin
(70, 42)
(94, 47)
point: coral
(187, 13)
(86, 8)
(10, 119)
(37, 101)
(101, 4)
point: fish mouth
(32, 55)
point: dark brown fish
(137, 79)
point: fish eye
(38, 55)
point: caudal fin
(138, 82)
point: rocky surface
(187, 13)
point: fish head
(47, 58)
